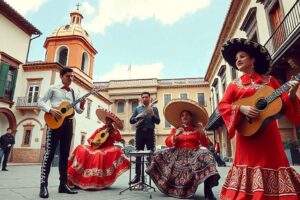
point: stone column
(127, 115)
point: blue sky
(158, 38)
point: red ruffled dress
(178, 170)
(260, 169)
(97, 169)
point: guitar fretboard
(278, 92)
(72, 105)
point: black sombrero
(259, 52)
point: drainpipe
(29, 46)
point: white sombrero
(174, 108)
(102, 113)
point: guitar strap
(73, 95)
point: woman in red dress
(98, 168)
(178, 170)
(260, 169)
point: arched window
(62, 56)
(134, 105)
(222, 74)
(84, 62)
(215, 85)
(120, 107)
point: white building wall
(13, 40)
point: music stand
(145, 187)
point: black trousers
(144, 136)
(63, 135)
(6, 152)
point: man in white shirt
(56, 95)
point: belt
(145, 129)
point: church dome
(74, 28)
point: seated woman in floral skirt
(178, 170)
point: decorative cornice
(157, 83)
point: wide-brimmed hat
(174, 108)
(259, 52)
(102, 113)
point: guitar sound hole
(261, 104)
(63, 110)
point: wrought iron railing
(286, 29)
(25, 102)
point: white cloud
(87, 8)
(121, 72)
(124, 11)
(25, 6)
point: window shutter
(14, 81)
(3, 78)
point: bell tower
(71, 46)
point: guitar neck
(72, 105)
(278, 92)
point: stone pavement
(22, 182)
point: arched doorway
(9, 122)
(12, 122)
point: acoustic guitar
(267, 102)
(66, 109)
(143, 114)
(100, 138)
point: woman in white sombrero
(178, 170)
(97, 166)
(260, 168)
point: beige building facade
(125, 96)
(276, 25)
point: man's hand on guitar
(56, 113)
(249, 111)
(82, 103)
(294, 85)
(150, 111)
(140, 116)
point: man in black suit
(145, 131)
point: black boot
(44, 191)
(136, 179)
(209, 195)
(64, 188)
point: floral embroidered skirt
(96, 169)
(260, 183)
(178, 172)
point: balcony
(286, 34)
(24, 105)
